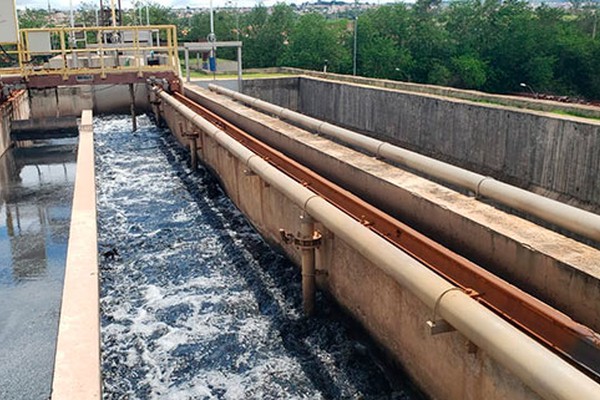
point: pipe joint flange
(478, 190)
(304, 244)
(378, 151)
(319, 131)
(247, 160)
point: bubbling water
(194, 304)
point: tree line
(473, 44)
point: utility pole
(595, 26)
(212, 38)
(355, 48)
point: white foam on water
(190, 309)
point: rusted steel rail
(572, 340)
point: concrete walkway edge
(77, 363)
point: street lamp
(524, 85)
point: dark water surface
(36, 187)
(194, 304)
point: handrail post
(63, 53)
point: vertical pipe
(307, 228)
(186, 53)
(113, 12)
(120, 14)
(132, 106)
(101, 14)
(194, 152)
(239, 68)
(212, 19)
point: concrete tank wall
(446, 91)
(281, 91)
(441, 365)
(72, 100)
(555, 269)
(553, 155)
(559, 156)
(15, 108)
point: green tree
(469, 72)
(315, 42)
(382, 34)
(30, 18)
(266, 36)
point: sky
(64, 4)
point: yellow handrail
(100, 54)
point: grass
(205, 75)
(574, 114)
(228, 75)
(567, 113)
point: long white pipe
(543, 371)
(576, 220)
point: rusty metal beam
(572, 340)
(116, 78)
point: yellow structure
(84, 51)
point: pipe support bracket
(311, 243)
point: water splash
(194, 304)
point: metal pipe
(132, 107)
(239, 68)
(576, 220)
(540, 369)
(113, 13)
(307, 228)
(194, 153)
(186, 54)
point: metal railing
(78, 51)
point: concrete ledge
(44, 128)
(77, 364)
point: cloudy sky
(64, 4)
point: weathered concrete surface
(72, 100)
(558, 270)
(116, 99)
(472, 95)
(43, 128)
(281, 91)
(441, 365)
(553, 155)
(16, 108)
(77, 365)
